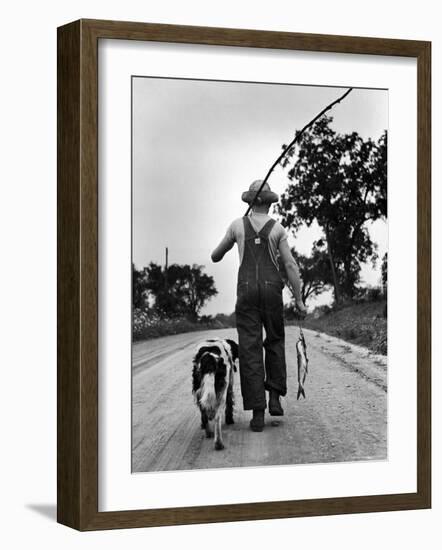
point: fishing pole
(301, 346)
(291, 144)
(287, 149)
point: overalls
(258, 305)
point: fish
(301, 350)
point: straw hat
(266, 196)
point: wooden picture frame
(77, 459)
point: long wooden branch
(291, 144)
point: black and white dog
(213, 366)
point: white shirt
(235, 234)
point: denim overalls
(258, 305)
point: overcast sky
(197, 145)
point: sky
(197, 145)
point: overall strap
(266, 229)
(249, 232)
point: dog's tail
(208, 395)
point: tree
(314, 270)
(139, 288)
(179, 290)
(339, 181)
(384, 272)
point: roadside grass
(147, 327)
(362, 324)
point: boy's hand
(302, 310)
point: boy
(259, 302)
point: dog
(214, 363)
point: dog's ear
(196, 372)
(198, 354)
(234, 349)
(196, 377)
(220, 375)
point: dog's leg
(209, 429)
(204, 419)
(219, 445)
(229, 405)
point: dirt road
(343, 418)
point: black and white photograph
(259, 274)
(220, 235)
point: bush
(362, 324)
(369, 294)
(149, 323)
(320, 311)
(374, 294)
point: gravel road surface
(343, 418)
